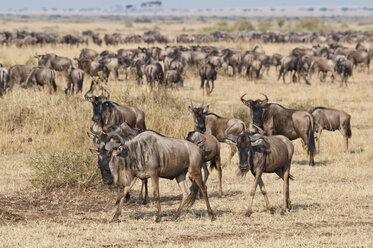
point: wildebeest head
(243, 142)
(199, 115)
(97, 102)
(256, 109)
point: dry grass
(332, 202)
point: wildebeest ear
(94, 152)
(206, 109)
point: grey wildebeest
(211, 153)
(207, 72)
(264, 154)
(154, 72)
(121, 133)
(275, 119)
(154, 156)
(344, 68)
(55, 62)
(4, 77)
(331, 120)
(107, 113)
(42, 76)
(173, 77)
(75, 81)
(212, 124)
(18, 74)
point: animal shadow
(306, 162)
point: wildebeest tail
(291, 177)
(311, 138)
(53, 80)
(80, 82)
(193, 194)
(348, 131)
(280, 73)
(213, 165)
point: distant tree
(280, 22)
(323, 9)
(310, 9)
(128, 8)
(44, 9)
(273, 9)
(344, 9)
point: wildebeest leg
(286, 202)
(205, 176)
(144, 184)
(212, 86)
(155, 184)
(264, 192)
(344, 133)
(220, 175)
(197, 177)
(207, 87)
(252, 193)
(185, 191)
(126, 189)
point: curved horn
(191, 104)
(105, 97)
(231, 138)
(88, 98)
(265, 97)
(242, 99)
(256, 136)
(93, 131)
(111, 145)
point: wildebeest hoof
(283, 212)
(213, 218)
(248, 213)
(144, 202)
(115, 220)
(157, 220)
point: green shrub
(242, 113)
(65, 169)
(243, 25)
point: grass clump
(64, 169)
(242, 113)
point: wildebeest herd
(167, 66)
(127, 150)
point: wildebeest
(121, 133)
(173, 77)
(264, 154)
(331, 120)
(18, 74)
(4, 77)
(275, 119)
(359, 57)
(207, 72)
(154, 72)
(288, 63)
(322, 65)
(212, 124)
(55, 62)
(151, 155)
(211, 153)
(107, 113)
(344, 69)
(75, 81)
(42, 76)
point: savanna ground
(51, 194)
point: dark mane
(319, 107)
(214, 115)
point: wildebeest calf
(331, 120)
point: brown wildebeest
(322, 65)
(331, 120)
(359, 57)
(275, 60)
(55, 62)
(278, 120)
(265, 154)
(232, 58)
(212, 124)
(119, 132)
(42, 76)
(151, 155)
(288, 63)
(154, 72)
(173, 77)
(207, 72)
(344, 68)
(75, 81)
(211, 152)
(88, 54)
(18, 74)
(107, 113)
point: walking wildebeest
(344, 68)
(18, 74)
(120, 132)
(212, 124)
(42, 76)
(331, 120)
(207, 72)
(55, 62)
(265, 154)
(75, 81)
(275, 119)
(173, 77)
(151, 155)
(211, 152)
(107, 113)
(154, 72)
